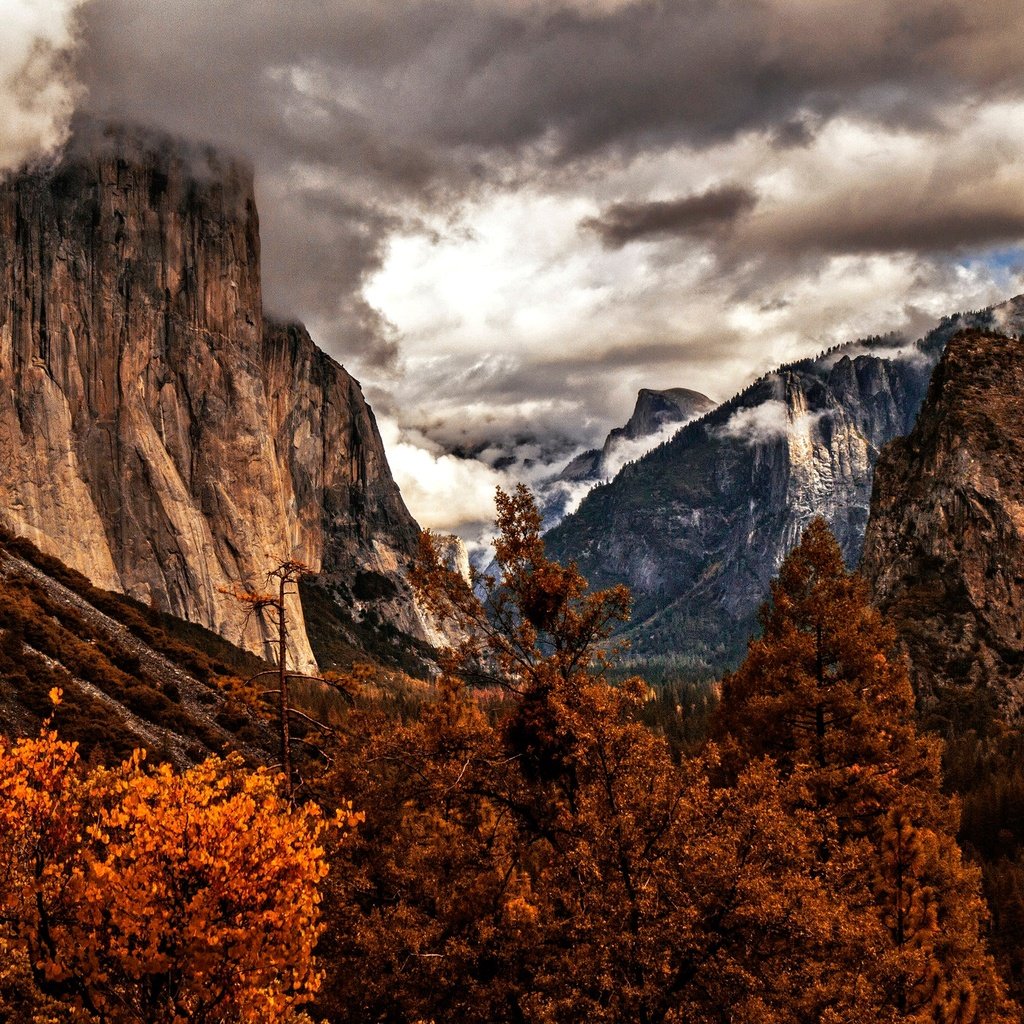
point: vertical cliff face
(698, 527)
(343, 500)
(344, 511)
(154, 433)
(656, 409)
(944, 548)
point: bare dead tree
(271, 606)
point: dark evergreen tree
(824, 693)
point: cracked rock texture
(945, 542)
(156, 433)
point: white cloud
(758, 423)
(37, 92)
(769, 421)
(512, 283)
(442, 491)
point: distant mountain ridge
(698, 526)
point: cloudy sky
(506, 216)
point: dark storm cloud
(319, 246)
(646, 353)
(937, 228)
(793, 134)
(937, 202)
(393, 90)
(691, 215)
(358, 112)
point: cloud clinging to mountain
(38, 89)
(756, 180)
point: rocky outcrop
(155, 433)
(654, 410)
(698, 527)
(945, 542)
(453, 555)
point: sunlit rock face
(698, 527)
(452, 553)
(156, 433)
(945, 542)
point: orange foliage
(156, 896)
(557, 865)
(825, 693)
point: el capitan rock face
(155, 432)
(944, 548)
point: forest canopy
(523, 846)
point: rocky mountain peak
(158, 434)
(655, 409)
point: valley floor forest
(534, 836)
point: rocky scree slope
(698, 527)
(161, 436)
(131, 677)
(944, 548)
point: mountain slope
(945, 542)
(157, 433)
(127, 680)
(698, 527)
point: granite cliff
(698, 527)
(156, 432)
(944, 548)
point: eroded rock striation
(156, 432)
(944, 548)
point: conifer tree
(556, 864)
(825, 694)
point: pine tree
(556, 864)
(825, 694)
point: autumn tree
(135, 895)
(554, 863)
(825, 694)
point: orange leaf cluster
(134, 895)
